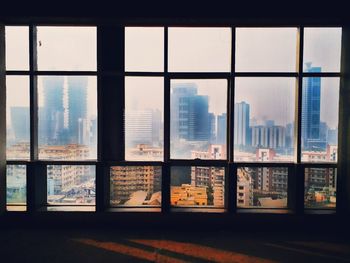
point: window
(135, 186)
(164, 117)
(71, 184)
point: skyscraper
(142, 127)
(190, 117)
(221, 129)
(241, 124)
(52, 118)
(77, 105)
(311, 107)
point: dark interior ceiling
(215, 11)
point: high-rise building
(221, 128)
(143, 127)
(311, 108)
(127, 180)
(213, 178)
(77, 105)
(189, 113)
(241, 124)
(52, 116)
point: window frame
(106, 157)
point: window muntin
(198, 117)
(135, 186)
(17, 47)
(320, 188)
(144, 118)
(266, 49)
(144, 49)
(319, 137)
(322, 48)
(71, 184)
(199, 49)
(197, 186)
(262, 187)
(264, 119)
(17, 118)
(66, 48)
(16, 189)
(67, 116)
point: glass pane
(66, 48)
(144, 118)
(266, 49)
(144, 49)
(264, 119)
(322, 48)
(320, 120)
(18, 117)
(197, 186)
(136, 186)
(17, 47)
(262, 187)
(320, 188)
(199, 49)
(16, 184)
(198, 119)
(71, 184)
(67, 117)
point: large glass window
(198, 116)
(199, 49)
(322, 48)
(67, 116)
(319, 119)
(197, 186)
(135, 186)
(144, 118)
(71, 184)
(264, 114)
(190, 114)
(144, 49)
(66, 48)
(266, 49)
(16, 179)
(262, 187)
(320, 188)
(18, 117)
(17, 47)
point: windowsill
(68, 209)
(16, 208)
(263, 211)
(197, 210)
(134, 209)
(319, 211)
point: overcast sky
(192, 49)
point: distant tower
(311, 107)
(77, 105)
(241, 124)
(189, 113)
(221, 129)
(51, 116)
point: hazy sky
(191, 49)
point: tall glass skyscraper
(53, 118)
(311, 108)
(189, 113)
(241, 124)
(77, 104)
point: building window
(194, 107)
